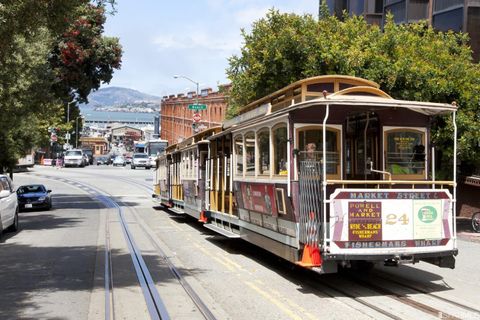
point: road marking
(292, 304)
(287, 311)
(175, 225)
(205, 251)
(231, 262)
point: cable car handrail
(392, 182)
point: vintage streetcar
(329, 171)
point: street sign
(197, 106)
(53, 137)
(197, 117)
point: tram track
(417, 289)
(155, 305)
(202, 307)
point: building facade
(443, 15)
(179, 121)
(99, 145)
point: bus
(327, 172)
(139, 146)
(155, 147)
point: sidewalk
(465, 231)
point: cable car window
(250, 153)
(405, 152)
(280, 150)
(239, 155)
(263, 140)
(310, 145)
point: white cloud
(198, 40)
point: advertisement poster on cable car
(382, 220)
(259, 198)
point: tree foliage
(35, 84)
(409, 61)
(83, 59)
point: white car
(74, 158)
(8, 205)
(140, 160)
(119, 161)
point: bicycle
(476, 222)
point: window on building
(239, 155)
(374, 6)
(263, 140)
(250, 154)
(356, 7)
(417, 10)
(440, 5)
(280, 149)
(397, 8)
(449, 20)
(405, 152)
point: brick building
(443, 15)
(177, 119)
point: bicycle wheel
(476, 222)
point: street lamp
(196, 97)
(187, 78)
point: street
(81, 260)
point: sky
(192, 38)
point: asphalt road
(53, 268)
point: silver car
(8, 205)
(140, 160)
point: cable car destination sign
(374, 220)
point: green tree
(409, 61)
(35, 86)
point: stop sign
(197, 117)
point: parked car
(140, 160)
(86, 162)
(74, 158)
(8, 205)
(89, 154)
(33, 196)
(119, 161)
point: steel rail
(384, 276)
(155, 305)
(202, 307)
(109, 297)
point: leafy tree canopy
(51, 52)
(409, 61)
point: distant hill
(117, 96)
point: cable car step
(176, 210)
(222, 231)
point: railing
(390, 183)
